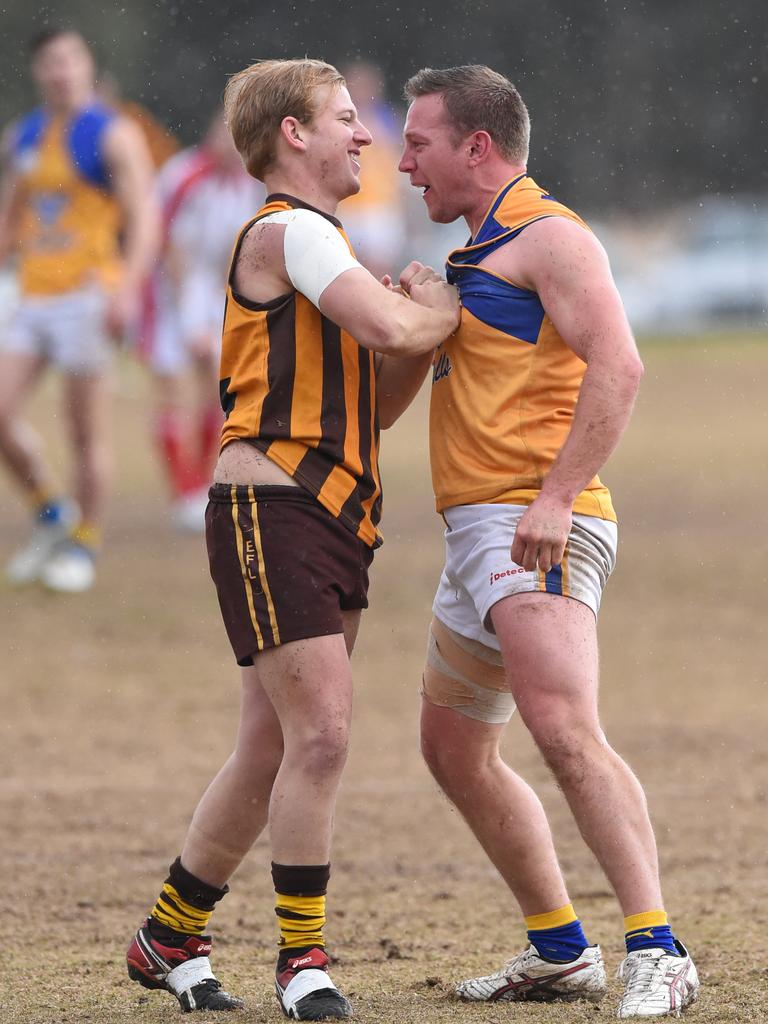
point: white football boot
(657, 984)
(26, 565)
(529, 977)
(70, 569)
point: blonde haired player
(316, 353)
(529, 398)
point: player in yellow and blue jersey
(530, 396)
(76, 212)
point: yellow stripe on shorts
(248, 591)
(262, 568)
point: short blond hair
(258, 98)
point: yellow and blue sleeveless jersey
(505, 385)
(70, 220)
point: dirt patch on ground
(119, 705)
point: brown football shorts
(283, 566)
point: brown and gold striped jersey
(302, 390)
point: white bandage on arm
(315, 252)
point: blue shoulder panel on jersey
(490, 227)
(501, 305)
(29, 130)
(86, 134)
(482, 249)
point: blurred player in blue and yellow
(76, 209)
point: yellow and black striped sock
(185, 904)
(300, 906)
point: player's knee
(321, 752)
(457, 761)
(569, 745)
(91, 447)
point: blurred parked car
(715, 272)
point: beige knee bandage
(466, 676)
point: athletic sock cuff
(197, 893)
(301, 879)
(649, 919)
(553, 919)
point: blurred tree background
(635, 105)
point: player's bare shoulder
(259, 272)
(550, 248)
(124, 141)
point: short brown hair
(478, 99)
(258, 98)
(50, 34)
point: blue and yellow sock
(649, 931)
(49, 508)
(558, 935)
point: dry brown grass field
(118, 705)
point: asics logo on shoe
(300, 963)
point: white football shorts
(479, 571)
(172, 319)
(69, 330)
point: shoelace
(513, 965)
(640, 973)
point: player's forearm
(420, 329)
(142, 237)
(605, 404)
(9, 220)
(398, 381)
(400, 327)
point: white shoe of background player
(26, 565)
(70, 569)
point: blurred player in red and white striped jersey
(205, 195)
